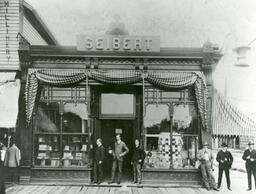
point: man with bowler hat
(250, 157)
(225, 160)
(205, 156)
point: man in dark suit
(250, 157)
(225, 159)
(138, 158)
(99, 158)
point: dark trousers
(137, 172)
(117, 164)
(207, 175)
(13, 172)
(2, 188)
(97, 172)
(251, 171)
(226, 170)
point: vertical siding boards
(31, 34)
(9, 28)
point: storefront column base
(171, 177)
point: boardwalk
(238, 184)
(31, 189)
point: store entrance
(108, 133)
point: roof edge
(39, 24)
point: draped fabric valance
(168, 80)
(229, 120)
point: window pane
(75, 151)
(75, 118)
(47, 117)
(47, 150)
(117, 104)
(157, 125)
(185, 128)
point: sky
(179, 23)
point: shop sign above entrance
(118, 43)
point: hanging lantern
(241, 56)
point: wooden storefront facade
(84, 95)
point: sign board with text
(118, 43)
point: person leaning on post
(250, 157)
(205, 157)
(138, 158)
(225, 160)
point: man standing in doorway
(99, 158)
(225, 159)
(120, 150)
(250, 157)
(137, 161)
(205, 156)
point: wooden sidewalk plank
(34, 190)
(135, 190)
(74, 190)
(112, 190)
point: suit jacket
(12, 156)
(252, 155)
(99, 154)
(225, 159)
(201, 154)
(138, 154)
(120, 150)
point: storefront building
(115, 84)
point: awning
(9, 96)
(228, 120)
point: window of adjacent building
(171, 129)
(61, 131)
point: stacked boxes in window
(164, 149)
(42, 151)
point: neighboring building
(230, 125)
(19, 23)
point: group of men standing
(118, 152)
(225, 160)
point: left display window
(61, 129)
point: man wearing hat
(250, 157)
(205, 156)
(225, 160)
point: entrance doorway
(108, 129)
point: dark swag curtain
(166, 80)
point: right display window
(171, 128)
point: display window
(61, 129)
(171, 127)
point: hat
(251, 143)
(206, 144)
(224, 144)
